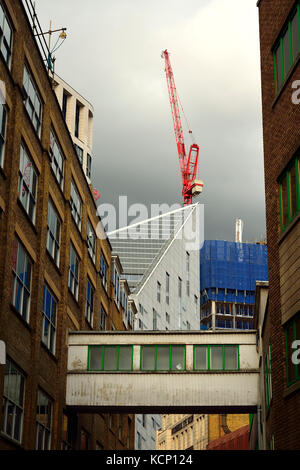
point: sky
(112, 57)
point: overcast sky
(112, 57)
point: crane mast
(188, 166)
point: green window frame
(171, 364)
(289, 193)
(101, 349)
(208, 349)
(292, 333)
(287, 48)
(268, 379)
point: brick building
(279, 22)
(55, 273)
(236, 440)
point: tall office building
(161, 264)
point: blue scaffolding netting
(232, 266)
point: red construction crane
(191, 187)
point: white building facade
(167, 293)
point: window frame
(51, 340)
(24, 153)
(76, 214)
(209, 346)
(90, 302)
(9, 47)
(58, 170)
(155, 346)
(268, 378)
(285, 175)
(41, 425)
(9, 400)
(103, 346)
(3, 126)
(75, 293)
(91, 246)
(279, 45)
(16, 278)
(37, 95)
(50, 235)
(103, 273)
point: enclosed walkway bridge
(163, 372)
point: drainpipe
(224, 424)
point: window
(21, 280)
(116, 286)
(27, 184)
(154, 322)
(77, 118)
(289, 193)
(66, 434)
(79, 152)
(103, 318)
(49, 319)
(268, 378)
(103, 271)
(110, 358)
(65, 104)
(3, 117)
(89, 309)
(287, 49)
(53, 233)
(43, 422)
(91, 241)
(163, 358)
(5, 36)
(158, 291)
(88, 170)
(13, 401)
(187, 274)
(74, 272)
(292, 334)
(32, 100)
(76, 205)
(57, 159)
(167, 288)
(215, 357)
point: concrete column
(136, 357)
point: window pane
(295, 36)
(95, 358)
(163, 358)
(177, 357)
(293, 193)
(110, 358)
(231, 357)
(278, 67)
(148, 358)
(284, 202)
(286, 53)
(216, 358)
(125, 356)
(201, 362)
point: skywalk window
(216, 357)
(292, 334)
(110, 358)
(163, 358)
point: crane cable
(187, 122)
